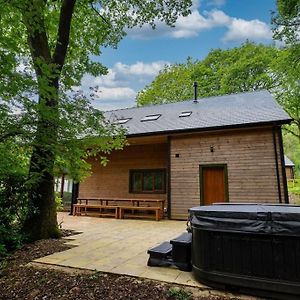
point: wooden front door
(213, 184)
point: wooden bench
(77, 209)
(157, 211)
(119, 205)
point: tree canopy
(241, 69)
(286, 29)
(45, 48)
(287, 21)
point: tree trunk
(42, 221)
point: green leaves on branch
(286, 24)
(245, 68)
(287, 21)
(57, 40)
(31, 31)
(13, 194)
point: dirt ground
(20, 280)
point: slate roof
(236, 110)
(288, 162)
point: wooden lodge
(289, 168)
(197, 152)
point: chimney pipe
(195, 91)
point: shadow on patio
(118, 246)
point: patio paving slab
(119, 246)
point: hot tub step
(160, 255)
(181, 251)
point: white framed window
(151, 118)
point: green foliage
(288, 93)
(96, 275)
(59, 203)
(179, 294)
(172, 84)
(14, 204)
(288, 8)
(294, 190)
(294, 187)
(292, 150)
(286, 29)
(245, 68)
(94, 24)
(286, 22)
(39, 56)
(45, 48)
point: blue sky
(143, 52)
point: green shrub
(179, 294)
(10, 239)
(63, 203)
(14, 203)
(59, 203)
(13, 209)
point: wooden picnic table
(157, 205)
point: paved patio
(118, 246)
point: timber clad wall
(113, 180)
(250, 159)
(248, 153)
(289, 172)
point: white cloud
(119, 87)
(216, 3)
(116, 93)
(240, 30)
(185, 27)
(140, 68)
(218, 18)
(108, 80)
(190, 26)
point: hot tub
(253, 248)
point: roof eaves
(215, 128)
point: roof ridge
(188, 100)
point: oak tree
(45, 48)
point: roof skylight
(185, 114)
(122, 121)
(150, 118)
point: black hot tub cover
(252, 218)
